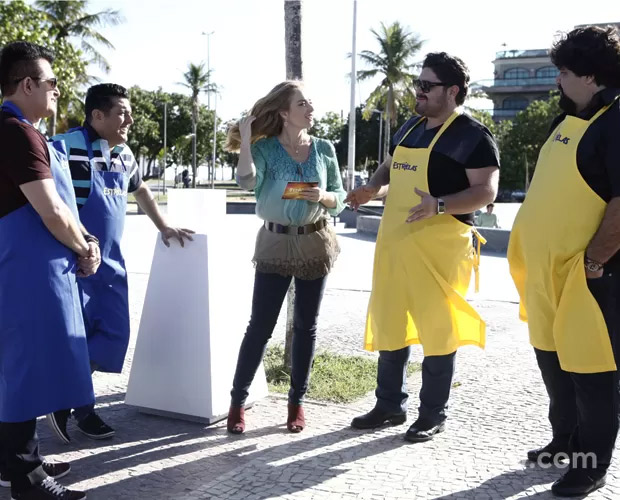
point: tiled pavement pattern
(497, 412)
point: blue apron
(43, 352)
(104, 295)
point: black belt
(307, 229)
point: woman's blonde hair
(269, 121)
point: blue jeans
(391, 392)
(269, 292)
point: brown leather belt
(307, 229)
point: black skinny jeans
(269, 292)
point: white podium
(191, 326)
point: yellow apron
(556, 222)
(422, 270)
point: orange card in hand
(293, 189)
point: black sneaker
(95, 428)
(52, 469)
(58, 422)
(48, 489)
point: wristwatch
(592, 265)
(441, 206)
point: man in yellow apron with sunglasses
(566, 266)
(443, 166)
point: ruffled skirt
(305, 256)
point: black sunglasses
(426, 86)
(52, 81)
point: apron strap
(419, 122)
(11, 107)
(89, 146)
(596, 115)
(603, 109)
(443, 128)
(480, 240)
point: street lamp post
(208, 35)
(165, 144)
(380, 132)
(351, 152)
(214, 143)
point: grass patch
(334, 378)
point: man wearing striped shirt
(103, 171)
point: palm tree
(294, 71)
(397, 46)
(292, 39)
(70, 19)
(197, 79)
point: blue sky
(160, 38)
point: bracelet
(91, 239)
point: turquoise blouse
(275, 168)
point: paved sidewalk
(498, 411)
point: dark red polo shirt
(24, 158)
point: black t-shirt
(598, 152)
(465, 144)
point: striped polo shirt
(120, 159)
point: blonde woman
(295, 241)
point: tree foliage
(520, 141)
(196, 79)
(56, 27)
(366, 139)
(147, 132)
(71, 19)
(328, 127)
(397, 45)
(20, 22)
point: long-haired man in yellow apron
(442, 166)
(563, 256)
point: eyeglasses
(426, 86)
(52, 81)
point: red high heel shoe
(236, 420)
(296, 420)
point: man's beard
(433, 109)
(566, 103)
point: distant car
(518, 196)
(504, 195)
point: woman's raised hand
(245, 129)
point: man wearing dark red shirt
(42, 248)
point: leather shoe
(236, 420)
(578, 482)
(296, 421)
(376, 418)
(550, 453)
(422, 430)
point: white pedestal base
(191, 328)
